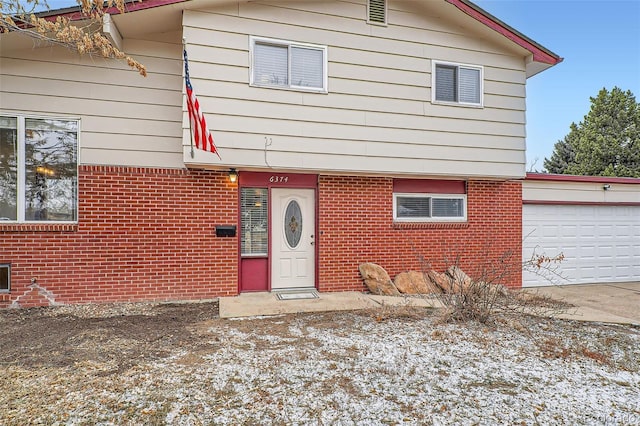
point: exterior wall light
(606, 187)
(233, 175)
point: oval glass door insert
(293, 224)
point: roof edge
(539, 52)
(575, 178)
(75, 13)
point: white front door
(292, 238)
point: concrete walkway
(613, 303)
(259, 304)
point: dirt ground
(180, 364)
(122, 335)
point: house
(379, 131)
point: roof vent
(377, 11)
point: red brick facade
(149, 234)
(356, 225)
(143, 234)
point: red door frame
(269, 180)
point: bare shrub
(485, 293)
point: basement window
(428, 207)
(422, 200)
(5, 278)
(377, 12)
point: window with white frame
(415, 207)
(288, 65)
(38, 169)
(459, 84)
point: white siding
(377, 117)
(580, 192)
(126, 119)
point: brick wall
(149, 234)
(143, 234)
(356, 225)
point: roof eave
(75, 13)
(540, 59)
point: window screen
(307, 67)
(447, 207)
(469, 85)
(270, 65)
(455, 83)
(429, 207)
(278, 63)
(254, 216)
(446, 89)
(413, 207)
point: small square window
(5, 277)
(288, 65)
(458, 84)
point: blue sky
(600, 43)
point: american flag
(200, 132)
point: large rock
(377, 280)
(461, 279)
(413, 282)
(443, 281)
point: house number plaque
(278, 179)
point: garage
(594, 222)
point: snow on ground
(348, 369)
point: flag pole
(184, 52)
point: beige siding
(590, 192)
(378, 116)
(126, 119)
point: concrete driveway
(614, 302)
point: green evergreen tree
(563, 154)
(606, 143)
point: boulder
(461, 280)
(443, 281)
(377, 280)
(413, 282)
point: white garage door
(600, 243)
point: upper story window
(458, 84)
(38, 169)
(288, 65)
(421, 200)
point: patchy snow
(347, 368)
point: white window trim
(434, 63)
(462, 197)
(22, 174)
(289, 44)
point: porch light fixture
(606, 187)
(233, 175)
